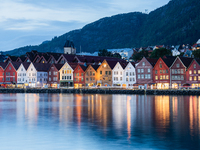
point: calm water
(82, 122)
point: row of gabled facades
(64, 70)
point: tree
(139, 55)
(196, 53)
(157, 53)
(104, 52)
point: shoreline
(106, 91)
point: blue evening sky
(30, 22)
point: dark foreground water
(82, 122)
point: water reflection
(128, 121)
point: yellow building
(91, 75)
(104, 73)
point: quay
(106, 91)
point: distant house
(125, 53)
(54, 75)
(22, 78)
(91, 75)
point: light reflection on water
(67, 121)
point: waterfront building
(22, 79)
(66, 74)
(38, 74)
(2, 74)
(91, 75)
(161, 72)
(129, 75)
(144, 72)
(193, 74)
(178, 71)
(54, 75)
(118, 75)
(79, 76)
(104, 73)
(69, 48)
(11, 73)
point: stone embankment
(105, 91)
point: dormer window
(143, 63)
(177, 65)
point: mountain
(177, 22)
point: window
(164, 77)
(166, 71)
(177, 65)
(100, 72)
(120, 78)
(194, 65)
(195, 71)
(160, 65)
(199, 78)
(156, 71)
(109, 72)
(138, 70)
(160, 71)
(160, 77)
(142, 76)
(156, 77)
(9, 68)
(143, 63)
(81, 79)
(138, 76)
(74, 74)
(190, 78)
(142, 70)
(181, 71)
(149, 70)
(190, 72)
(173, 71)
(49, 72)
(49, 79)
(126, 73)
(195, 78)
(106, 72)
(167, 77)
(81, 74)
(87, 74)
(198, 71)
(146, 76)
(163, 71)
(126, 79)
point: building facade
(91, 75)
(54, 75)
(79, 76)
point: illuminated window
(198, 71)
(163, 77)
(190, 78)
(195, 71)
(167, 77)
(156, 77)
(190, 72)
(160, 77)
(195, 78)
(199, 78)
(65, 72)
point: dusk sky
(30, 22)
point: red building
(54, 75)
(193, 74)
(2, 74)
(144, 72)
(79, 76)
(178, 71)
(161, 72)
(10, 73)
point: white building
(37, 74)
(22, 77)
(126, 53)
(175, 52)
(118, 75)
(130, 75)
(69, 48)
(66, 74)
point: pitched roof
(73, 65)
(83, 67)
(69, 43)
(3, 64)
(42, 66)
(69, 57)
(55, 55)
(16, 64)
(111, 63)
(95, 67)
(58, 66)
(169, 60)
(26, 65)
(123, 64)
(152, 61)
(186, 61)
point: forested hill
(177, 22)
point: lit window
(160, 77)
(163, 77)
(190, 72)
(190, 78)
(198, 71)
(195, 71)
(167, 77)
(195, 78)
(156, 77)
(199, 78)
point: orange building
(91, 75)
(104, 73)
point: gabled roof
(95, 67)
(69, 44)
(186, 61)
(42, 66)
(169, 60)
(56, 56)
(123, 64)
(133, 64)
(73, 65)
(26, 65)
(58, 66)
(83, 67)
(152, 61)
(3, 64)
(16, 64)
(69, 57)
(111, 63)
